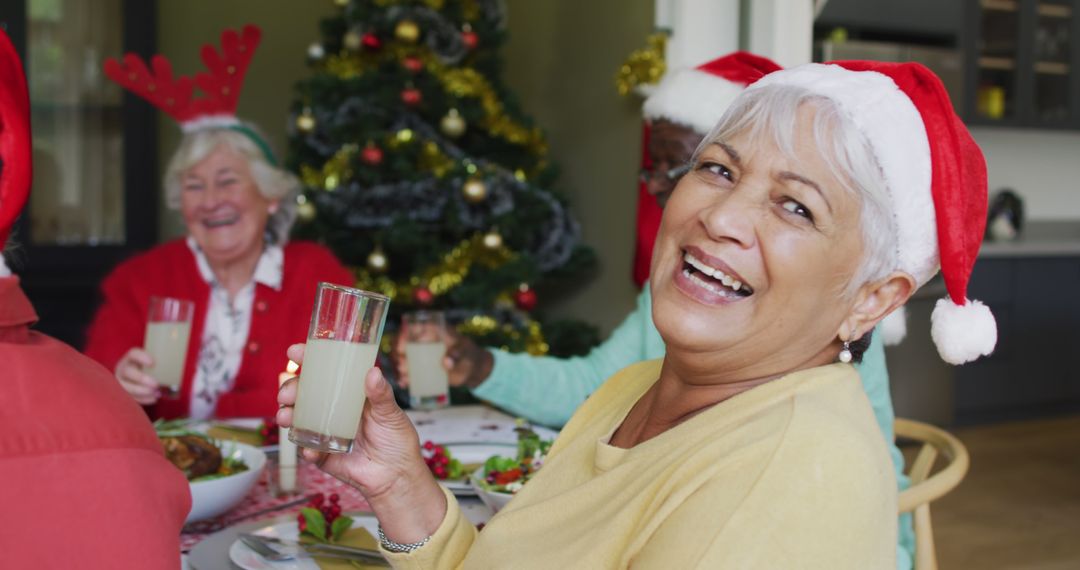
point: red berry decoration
(411, 96)
(470, 39)
(525, 298)
(413, 64)
(371, 41)
(334, 498)
(372, 155)
(423, 296)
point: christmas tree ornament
(413, 63)
(423, 296)
(493, 240)
(404, 136)
(411, 96)
(407, 31)
(305, 121)
(453, 124)
(474, 190)
(341, 3)
(469, 37)
(305, 211)
(525, 298)
(371, 41)
(353, 40)
(377, 261)
(316, 51)
(371, 154)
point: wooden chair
(926, 488)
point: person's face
(670, 147)
(222, 207)
(753, 254)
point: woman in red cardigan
(253, 292)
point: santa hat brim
(692, 98)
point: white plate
(473, 453)
(247, 559)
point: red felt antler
(220, 84)
(15, 146)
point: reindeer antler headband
(220, 85)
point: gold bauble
(493, 240)
(341, 3)
(377, 262)
(305, 121)
(453, 124)
(353, 40)
(305, 211)
(407, 31)
(474, 190)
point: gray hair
(772, 110)
(273, 183)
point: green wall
(561, 61)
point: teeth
(736, 285)
(727, 280)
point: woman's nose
(732, 216)
(211, 197)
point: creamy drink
(331, 393)
(428, 387)
(167, 343)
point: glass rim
(162, 298)
(353, 291)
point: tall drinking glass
(425, 347)
(168, 328)
(342, 343)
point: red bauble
(423, 296)
(372, 155)
(371, 41)
(525, 299)
(413, 64)
(411, 96)
(471, 39)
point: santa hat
(15, 148)
(698, 97)
(935, 176)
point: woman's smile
(708, 279)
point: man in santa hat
(85, 481)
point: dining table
(478, 430)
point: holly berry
(411, 96)
(334, 498)
(429, 445)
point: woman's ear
(874, 302)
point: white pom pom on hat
(697, 97)
(936, 180)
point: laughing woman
(252, 288)
(806, 218)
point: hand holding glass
(343, 342)
(168, 328)
(425, 348)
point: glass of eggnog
(425, 348)
(168, 327)
(342, 343)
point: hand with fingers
(130, 371)
(466, 363)
(385, 462)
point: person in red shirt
(252, 289)
(85, 483)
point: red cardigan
(85, 483)
(278, 319)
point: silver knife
(319, 547)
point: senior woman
(751, 444)
(252, 288)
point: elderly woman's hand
(385, 462)
(138, 384)
(466, 363)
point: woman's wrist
(485, 363)
(412, 509)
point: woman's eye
(797, 209)
(717, 169)
(227, 182)
(193, 187)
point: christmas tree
(423, 174)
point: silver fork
(265, 549)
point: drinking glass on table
(425, 348)
(342, 344)
(168, 328)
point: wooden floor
(1019, 506)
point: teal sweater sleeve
(547, 390)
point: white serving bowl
(215, 496)
(495, 501)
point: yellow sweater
(790, 474)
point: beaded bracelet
(392, 546)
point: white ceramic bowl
(494, 501)
(215, 496)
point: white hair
(772, 110)
(272, 182)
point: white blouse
(227, 324)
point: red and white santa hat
(936, 181)
(697, 97)
(15, 148)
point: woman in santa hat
(822, 200)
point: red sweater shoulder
(304, 259)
